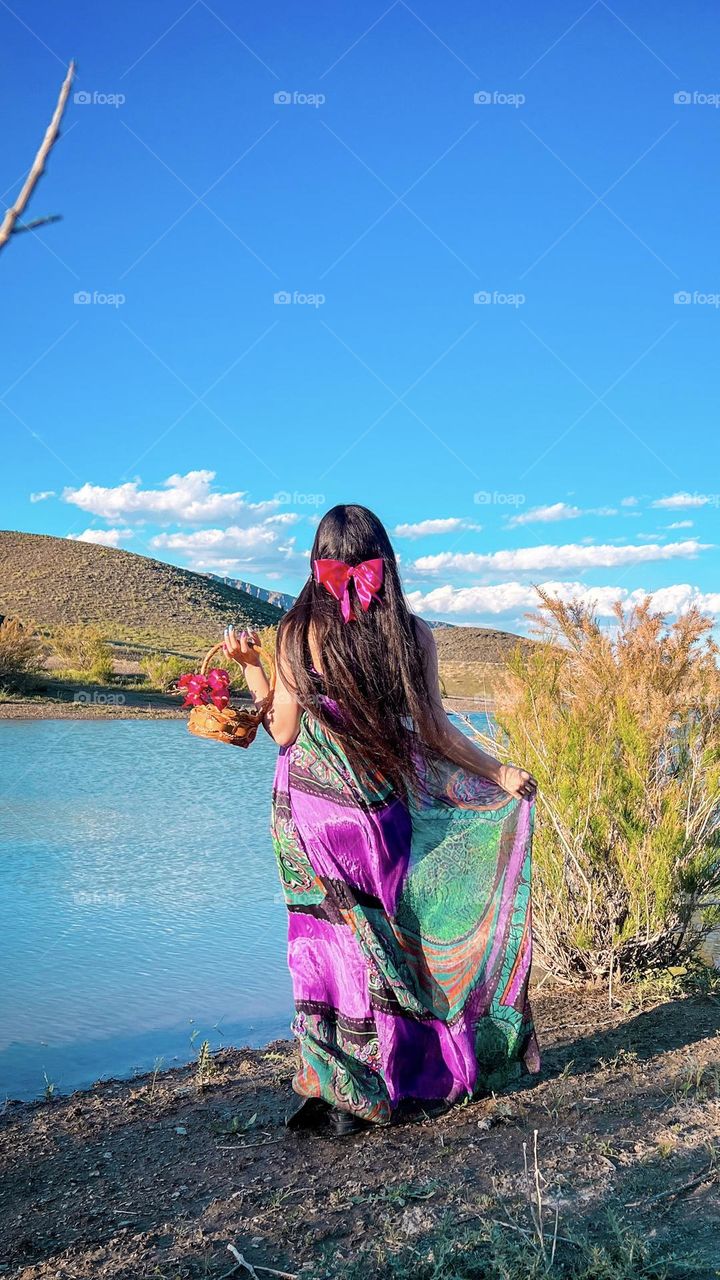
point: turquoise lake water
(139, 900)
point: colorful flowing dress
(409, 930)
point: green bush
(622, 732)
(102, 668)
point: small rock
(415, 1221)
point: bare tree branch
(36, 222)
(8, 225)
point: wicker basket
(234, 725)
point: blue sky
(477, 220)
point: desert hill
(55, 581)
(477, 644)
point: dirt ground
(161, 1176)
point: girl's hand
(241, 648)
(518, 782)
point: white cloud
(558, 511)
(681, 597)
(217, 540)
(422, 528)
(243, 551)
(188, 499)
(285, 517)
(629, 502)
(681, 524)
(504, 597)
(570, 555)
(102, 537)
(43, 495)
(677, 501)
(516, 597)
(546, 515)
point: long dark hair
(372, 666)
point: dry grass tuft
(20, 653)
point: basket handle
(259, 649)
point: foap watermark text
(498, 98)
(685, 299)
(484, 498)
(98, 898)
(295, 499)
(93, 698)
(285, 299)
(695, 98)
(485, 299)
(84, 298)
(94, 98)
(296, 98)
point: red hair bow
(336, 575)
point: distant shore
(50, 710)
(133, 707)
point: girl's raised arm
(282, 721)
(452, 742)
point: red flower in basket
(199, 689)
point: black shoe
(308, 1114)
(342, 1123)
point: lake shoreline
(153, 709)
(161, 1173)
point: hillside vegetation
(128, 598)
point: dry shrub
(20, 653)
(163, 670)
(622, 731)
(83, 649)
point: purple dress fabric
(409, 930)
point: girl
(403, 851)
